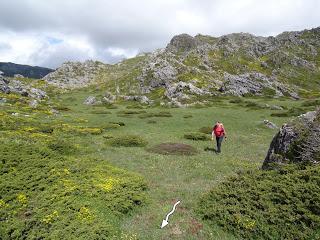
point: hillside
(196, 68)
(10, 69)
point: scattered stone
(33, 103)
(18, 76)
(91, 100)
(270, 124)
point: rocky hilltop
(238, 64)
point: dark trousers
(219, 141)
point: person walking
(219, 132)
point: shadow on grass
(210, 149)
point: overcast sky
(50, 32)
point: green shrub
(45, 195)
(128, 141)
(260, 204)
(110, 126)
(292, 112)
(151, 121)
(62, 146)
(62, 108)
(118, 123)
(173, 149)
(206, 130)
(197, 136)
(236, 100)
(311, 103)
(187, 116)
(100, 111)
(159, 114)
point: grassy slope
(175, 177)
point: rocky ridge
(237, 64)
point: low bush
(118, 123)
(159, 114)
(110, 126)
(151, 121)
(187, 116)
(311, 103)
(100, 111)
(292, 112)
(128, 141)
(236, 100)
(173, 149)
(206, 130)
(197, 136)
(45, 195)
(282, 204)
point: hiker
(219, 131)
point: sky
(49, 32)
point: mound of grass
(311, 103)
(197, 136)
(128, 141)
(236, 100)
(130, 112)
(173, 149)
(134, 107)
(62, 108)
(159, 114)
(110, 126)
(206, 130)
(118, 123)
(151, 121)
(281, 204)
(100, 111)
(292, 112)
(187, 116)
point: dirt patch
(206, 130)
(173, 149)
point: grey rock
(73, 75)
(182, 42)
(278, 153)
(269, 124)
(253, 83)
(142, 99)
(15, 86)
(33, 103)
(108, 98)
(18, 76)
(91, 100)
(276, 107)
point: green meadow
(95, 172)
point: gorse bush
(197, 136)
(206, 130)
(46, 195)
(127, 141)
(281, 204)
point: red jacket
(218, 130)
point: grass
(93, 161)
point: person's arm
(212, 133)
(224, 131)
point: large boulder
(182, 42)
(296, 142)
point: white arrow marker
(165, 221)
